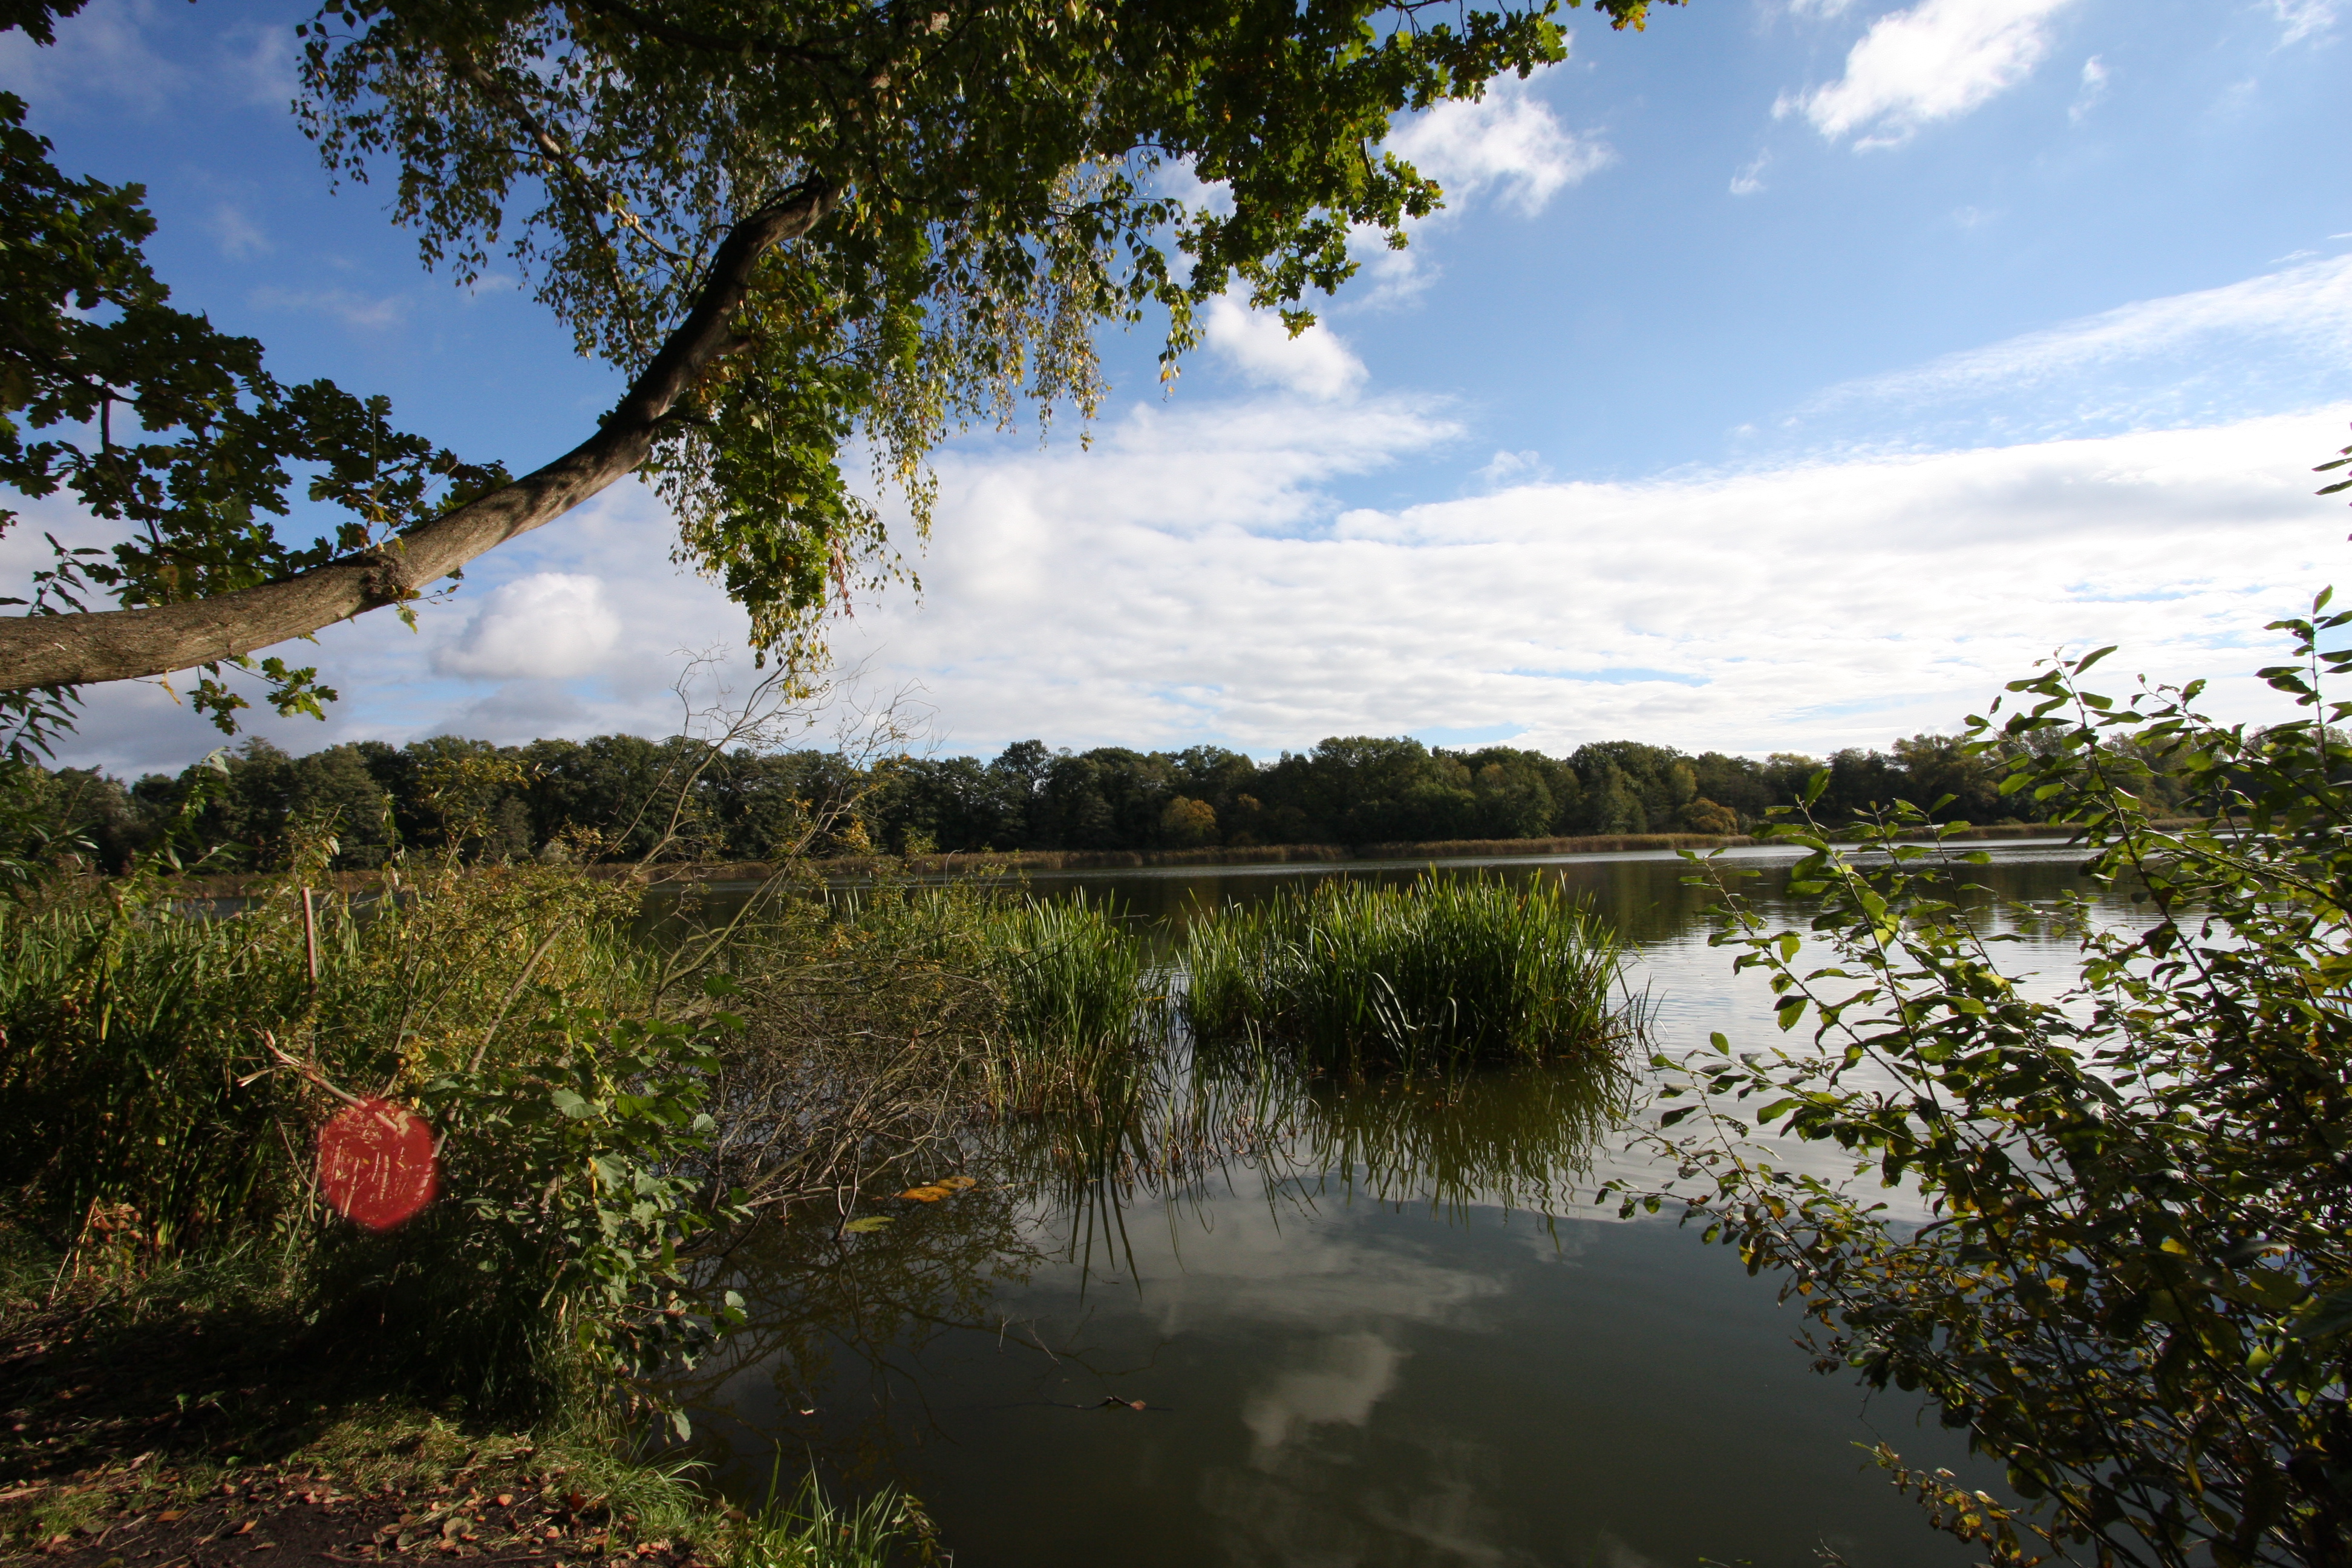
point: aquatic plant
(1080, 1006)
(1443, 972)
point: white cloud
(547, 626)
(1938, 60)
(1316, 363)
(1508, 141)
(1180, 584)
(2301, 19)
(1514, 468)
(1750, 178)
(260, 58)
(2093, 89)
(1818, 7)
(102, 52)
(1193, 578)
(353, 310)
(2143, 363)
(238, 236)
(1338, 1380)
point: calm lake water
(1366, 1326)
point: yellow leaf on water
(958, 1182)
(927, 1195)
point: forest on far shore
(615, 798)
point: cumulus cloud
(1186, 582)
(547, 626)
(1316, 363)
(1338, 1381)
(1938, 60)
(1194, 578)
(1509, 142)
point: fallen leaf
(959, 1183)
(246, 1528)
(171, 1516)
(505, 1499)
(869, 1224)
(927, 1195)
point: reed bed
(1443, 973)
(1080, 1008)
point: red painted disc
(376, 1164)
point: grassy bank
(193, 1344)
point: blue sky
(1783, 378)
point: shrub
(2134, 1287)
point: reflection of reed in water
(1215, 1119)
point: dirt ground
(200, 1444)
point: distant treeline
(620, 797)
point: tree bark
(126, 645)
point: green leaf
(2328, 1315)
(867, 1224)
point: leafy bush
(574, 1182)
(2134, 1286)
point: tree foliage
(150, 417)
(798, 225)
(607, 797)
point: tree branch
(126, 645)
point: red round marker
(376, 1164)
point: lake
(1370, 1325)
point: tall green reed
(1443, 974)
(1080, 1006)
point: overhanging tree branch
(126, 645)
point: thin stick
(310, 939)
(512, 992)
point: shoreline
(1054, 861)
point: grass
(1441, 974)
